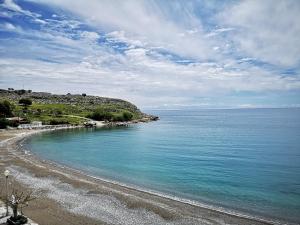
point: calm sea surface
(242, 159)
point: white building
(33, 124)
(36, 124)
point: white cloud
(144, 21)
(120, 36)
(142, 79)
(11, 5)
(266, 30)
(62, 57)
(219, 31)
(5, 14)
(40, 21)
(90, 37)
(8, 26)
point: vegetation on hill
(101, 114)
(6, 108)
(65, 109)
(25, 102)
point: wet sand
(67, 196)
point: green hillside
(67, 109)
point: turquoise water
(242, 159)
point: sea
(241, 160)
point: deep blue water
(244, 159)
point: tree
(19, 198)
(3, 123)
(38, 111)
(122, 117)
(20, 92)
(118, 118)
(5, 108)
(25, 102)
(100, 115)
(127, 116)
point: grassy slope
(47, 107)
(60, 112)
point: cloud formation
(154, 53)
(266, 30)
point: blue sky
(157, 54)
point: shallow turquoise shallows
(241, 159)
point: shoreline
(202, 213)
(182, 200)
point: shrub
(118, 118)
(57, 112)
(25, 102)
(38, 111)
(122, 117)
(100, 114)
(3, 123)
(58, 121)
(6, 108)
(127, 116)
(20, 92)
